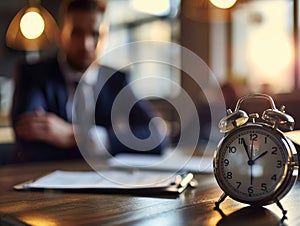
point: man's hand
(46, 127)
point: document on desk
(173, 162)
(111, 181)
(294, 136)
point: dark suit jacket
(42, 85)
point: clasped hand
(46, 127)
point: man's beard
(78, 66)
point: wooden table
(193, 207)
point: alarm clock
(255, 163)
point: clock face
(251, 163)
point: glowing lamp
(223, 4)
(33, 28)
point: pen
(186, 180)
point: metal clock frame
(273, 121)
(283, 186)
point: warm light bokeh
(155, 7)
(270, 53)
(32, 25)
(263, 46)
(38, 220)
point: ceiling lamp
(223, 4)
(33, 28)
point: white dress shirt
(97, 135)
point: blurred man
(42, 104)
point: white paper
(113, 179)
(173, 162)
(293, 136)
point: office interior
(250, 47)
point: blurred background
(250, 45)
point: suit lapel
(58, 91)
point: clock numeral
(263, 186)
(226, 162)
(238, 184)
(279, 164)
(229, 175)
(240, 140)
(274, 150)
(250, 190)
(232, 149)
(274, 177)
(253, 136)
(266, 140)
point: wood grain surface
(192, 207)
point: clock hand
(250, 156)
(261, 155)
(246, 148)
(251, 174)
(251, 162)
(251, 150)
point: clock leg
(221, 199)
(281, 207)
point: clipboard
(111, 181)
